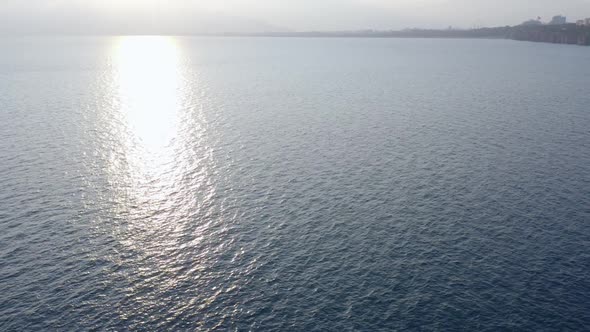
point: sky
(215, 16)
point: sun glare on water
(148, 78)
(148, 86)
(149, 154)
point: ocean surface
(159, 183)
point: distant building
(558, 19)
(587, 21)
(580, 23)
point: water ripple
(311, 185)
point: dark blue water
(294, 184)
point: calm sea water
(151, 183)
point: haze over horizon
(208, 16)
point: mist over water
(161, 183)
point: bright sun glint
(148, 77)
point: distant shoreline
(569, 33)
(557, 34)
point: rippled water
(152, 183)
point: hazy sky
(194, 16)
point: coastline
(557, 34)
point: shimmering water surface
(155, 183)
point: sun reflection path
(168, 219)
(148, 77)
(148, 84)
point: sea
(152, 183)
